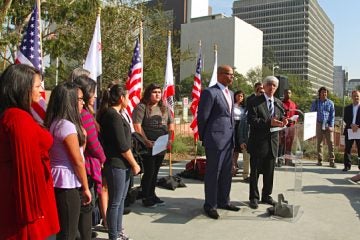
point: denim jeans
(118, 183)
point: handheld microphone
(280, 107)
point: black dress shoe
(346, 168)
(254, 204)
(212, 213)
(231, 207)
(269, 201)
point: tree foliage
(68, 26)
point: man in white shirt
(352, 121)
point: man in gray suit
(264, 113)
(216, 131)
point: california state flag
(169, 87)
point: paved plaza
(330, 209)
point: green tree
(301, 89)
(68, 29)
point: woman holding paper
(152, 119)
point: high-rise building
(181, 11)
(352, 85)
(340, 78)
(298, 32)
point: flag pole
(141, 39)
(98, 13)
(196, 140)
(170, 155)
(43, 92)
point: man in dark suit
(264, 113)
(216, 131)
(352, 121)
(258, 90)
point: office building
(299, 33)
(239, 44)
(340, 81)
(353, 84)
(181, 11)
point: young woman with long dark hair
(116, 139)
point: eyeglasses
(80, 99)
(229, 74)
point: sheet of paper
(309, 125)
(276, 129)
(353, 135)
(294, 118)
(160, 144)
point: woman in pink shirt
(66, 156)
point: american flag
(30, 53)
(169, 88)
(133, 82)
(195, 94)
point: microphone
(280, 107)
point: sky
(344, 14)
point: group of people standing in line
(54, 170)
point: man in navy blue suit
(216, 131)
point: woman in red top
(27, 205)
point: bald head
(225, 75)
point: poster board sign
(310, 125)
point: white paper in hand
(160, 144)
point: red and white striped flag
(93, 62)
(195, 94)
(169, 87)
(133, 82)
(30, 53)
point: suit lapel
(265, 107)
(222, 96)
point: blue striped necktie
(271, 108)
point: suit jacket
(215, 120)
(261, 140)
(348, 117)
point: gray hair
(271, 79)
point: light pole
(273, 68)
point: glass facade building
(299, 33)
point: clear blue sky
(345, 16)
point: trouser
(151, 169)
(347, 153)
(118, 183)
(264, 166)
(85, 219)
(68, 204)
(246, 164)
(218, 176)
(329, 137)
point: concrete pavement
(330, 209)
